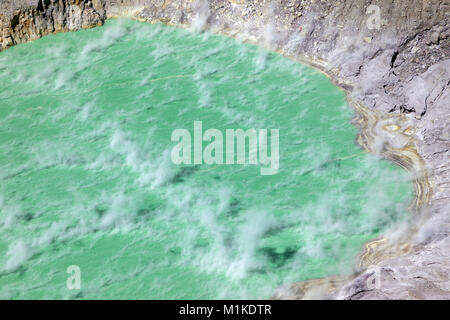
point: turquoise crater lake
(87, 179)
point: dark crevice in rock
(15, 20)
(394, 57)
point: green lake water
(86, 176)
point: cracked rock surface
(391, 56)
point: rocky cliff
(393, 59)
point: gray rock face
(393, 57)
(26, 20)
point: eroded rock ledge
(396, 73)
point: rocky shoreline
(393, 60)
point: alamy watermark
(74, 280)
(234, 150)
(374, 20)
